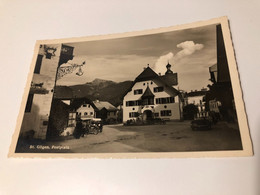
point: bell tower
(169, 71)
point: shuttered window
(29, 103)
(38, 64)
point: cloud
(161, 62)
(188, 48)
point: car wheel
(96, 131)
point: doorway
(147, 115)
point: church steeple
(169, 71)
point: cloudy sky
(190, 52)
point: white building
(153, 96)
(197, 98)
(86, 111)
(97, 109)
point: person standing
(78, 129)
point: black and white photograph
(166, 91)
(130, 97)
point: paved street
(172, 137)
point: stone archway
(147, 115)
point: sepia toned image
(168, 92)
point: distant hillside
(97, 89)
(100, 83)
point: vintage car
(92, 126)
(98, 122)
(202, 123)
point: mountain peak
(104, 90)
(100, 82)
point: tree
(189, 111)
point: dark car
(159, 121)
(201, 123)
(98, 122)
(93, 125)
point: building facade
(196, 98)
(86, 111)
(220, 94)
(95, 109)
(153, 96)
(106, 111)
(39, 101)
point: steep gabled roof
(147, 74)
(103, 104)
(77, 102)
(168, 86)
(147, 93)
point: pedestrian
(84, 128)
(78, 129)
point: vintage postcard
(161, 93)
